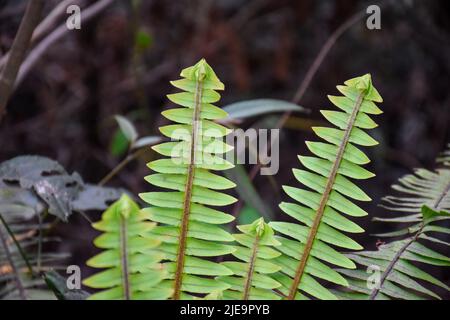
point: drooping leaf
(33, 183)
(58, 284)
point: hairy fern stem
(188, 191)
(251, 269)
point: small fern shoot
(321, 209)
(252, 278)
(190, 230)
(132, 264)
(425, 202)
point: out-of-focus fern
(252, 278)
(190, 230)
(424, 201)
(133, 270)
(23, 255)
(321, 208)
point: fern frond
(425, 200)
(327, 198)
(23, 254)
(252, 278)
(190, 230)
(132, 264)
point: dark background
(259, 49)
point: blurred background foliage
(121, 62)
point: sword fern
(190, 230)
(326, 199)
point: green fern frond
(190, 230)
(252, 278)
(129, 256)
(321, 208)
(425, 202)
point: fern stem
(251, 269)
(188, 191)
(324, 199)
(400, 252)
(20, 286)
(124, 259)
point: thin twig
(120, 166)
(35, 54)
(18, 50)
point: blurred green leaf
(143, 40)
(119, 144)
(248, 215)
(41, 183)
(247, 191)
(256, 107)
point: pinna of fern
(425, 201)
(252, 277)
(190, 229)
(129, 256)
(322, 207)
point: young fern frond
(190, 229)
(132, 263)
(321, 209)
(252, 278)
(425, 201)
